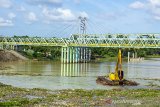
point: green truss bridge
(76, 48)
(92, 40)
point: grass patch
(13, 96)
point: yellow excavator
(116, 77)
(118, 74)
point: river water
(54, 75)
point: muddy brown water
(54, 75)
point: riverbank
(108, 58)
(10, 55)
(12, 96)
(152, 56)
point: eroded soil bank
(12, 96)
(10, 55)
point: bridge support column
(12, 47)
(86, 50)
(81, 54)
(65, 54)
(75, 54)
(62, 55)
(89, 58)
(136, 55)
(128, 56)
(68, 54)
(84, 55)
(133, 55)
(78, 54)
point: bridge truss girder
(105, 40)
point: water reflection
(73, 70)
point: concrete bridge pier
(81, 54)
(12, 47)
(75, 54)
(87, 54)
(8, 47)
(128, 56)
(132, 56)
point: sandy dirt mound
(6, 55)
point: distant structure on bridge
(76, 48)
(72, 54)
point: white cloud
(152, 6)
(154, 2)
(5, 3)
(84, 14)
(4, 23)
(137, 5)
(31, 17)
(58, 14)
(11, 15)
(157, 17)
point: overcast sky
(54, 17)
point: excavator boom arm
(119, 62)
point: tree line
(54, 53)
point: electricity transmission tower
(83, 25)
